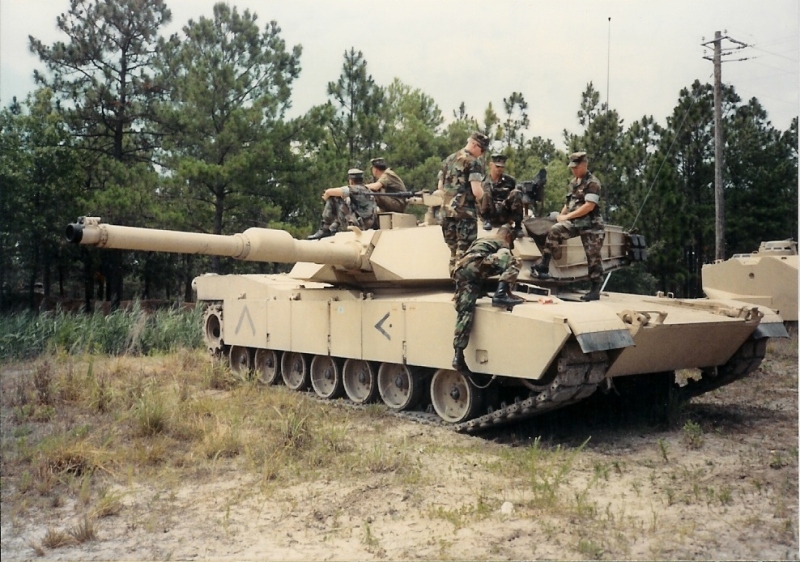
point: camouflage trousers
(504, 211)
(391, 204)
(458, 234)
(337, 215)
(592, 244)
(469, 276)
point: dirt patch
(722, 483)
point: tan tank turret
(767, 277)
(369, 315)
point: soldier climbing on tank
(350, 205)
(502, 201)
(387, 181)
(484, 257)
(579, 217)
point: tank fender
(600, 331)
(770, 330)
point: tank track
(746, 360)
(578, 376)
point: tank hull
(532, 348)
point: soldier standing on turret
(460, 182)
(579, 217)
(352, 204)
(501, 201)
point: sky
(638, 54)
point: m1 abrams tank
(368, 315)
(767, 277)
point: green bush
(27, 335)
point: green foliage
(761, 180)
(102, 72)
(517, 119)
(26, 335)
(41, 181)
(692, 435)
(635, 280)
(412, 147)
(228, 147)
(356, 129)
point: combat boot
(323, 232)
(459, 364)
(487, 224)
(503, 298)
(542, 269)
(594, 292)
(518, 232)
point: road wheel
(326, 376)
(294, 370)
(360, 381)
(400, 386)
(267, 366)
(453, 396)
(241, 361)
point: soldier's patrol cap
(481, 139)
(354, 172)
(379, 163)
(499, 159)
(577, 158)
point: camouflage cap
(499, 159)
(379, 163)
(577, 158)
(354, 172)
(481, 139)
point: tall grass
(28, 335)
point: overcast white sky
(479, 52)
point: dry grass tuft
(55, 538)
(83, 531)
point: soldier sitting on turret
(350, 205)
(502, 201)
(579, 217)
(387, 181)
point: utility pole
(719, 193)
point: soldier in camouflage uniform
(579, 217)
(484, 258)
(502, 201)
(387, 181)
(352, 204)
(460, 183)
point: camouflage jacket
(477, 261)
(458, 170)
(582, 190)
(362, 202)
(501, 188)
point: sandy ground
(634, 491)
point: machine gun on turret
(533, 192)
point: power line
(774, 54)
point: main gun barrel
(254, 244)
